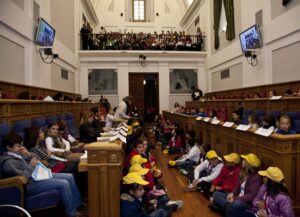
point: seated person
(268, 122)
(110, 118)
(272, 199)
(246, 189)
(88, 133)
(131, 200)
(205, 173)
(98, 122)
(189, 159)
(76, 146)
(272, 93)
(57, 145)
(138, 149)
(285, 126)
(227, 179)
(236, 119)
(12, 164)
(175, 143)
(252, 121)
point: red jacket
(128, 159)
(228, 178)
(175, 142)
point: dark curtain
(217, 16)
(229, 12)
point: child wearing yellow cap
(272, 198)
(244, 191)
(228, 177)
(131, 200)
(205, 173)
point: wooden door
(136, 89)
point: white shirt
(193, 154)
(109, 120)
(49, 144)
(214, 171)
(121, 111)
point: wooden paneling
(13, 110)
(104, 166)
(282, 151)
(34, 91)
(280, 88)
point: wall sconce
(142, 58)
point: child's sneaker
(183, 172)
(190, 188)
(176, 204)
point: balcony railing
(131, 41)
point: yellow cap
(232, 158)
(129, 132)
(252, 159)
(211, 154)
(273, 173)
(131, 178)
(135, 124)
(137, 168)
(138, 159)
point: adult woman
(123, 108)
(88, 133)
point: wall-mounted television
(45, 34)
(250, 38)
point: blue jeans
(64, 182)
(220, 198)
(158, 213)
(185, 164)
(239, 209)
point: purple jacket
(252, 185)
(280, 206)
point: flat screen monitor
(250, 38)
(44, 34)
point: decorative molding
(90, 12)
(191, 12)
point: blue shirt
(280, 131)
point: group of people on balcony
(141, 41)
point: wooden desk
(104, 167)
(282, 151)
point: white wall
(277, 33)
(110, 17)
(126, 62)
(18, 26)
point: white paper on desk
(123, 133)
(116, 133)
(198, 118)
(216, 121)
(58, 158)
(84, 156)
(114, 138)
(228, 124)
(264, 132)
(276, 97)
(243, 127)
(206, 119)
(100, 139)
(122, 138)
(119, 136)
(125, 125)
(124, 128)
(118, 128)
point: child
(245, 191)
(13, 164)
(189, 159)
(268, 122)
(236, 117)
(138, 149)
(131, 201)
(272, 198)
(252, 121)
(285, 126)
(227, 179)
(110, 118)
(205, 173)
(175, 143)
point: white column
(123, 80)
(83, 80)
(164, 86)
(202, 78)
